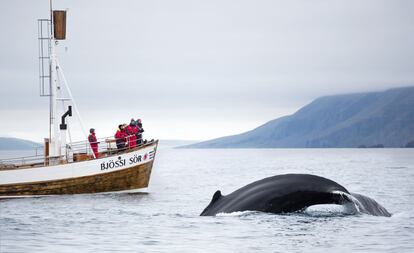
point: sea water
(165, 217)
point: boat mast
(56, 27)
(58, 87)
(55, 93)
(52, 100)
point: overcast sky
(201, 69)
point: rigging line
(74, 105)
(67, 119)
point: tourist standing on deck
(131, 131)
(93, 142)
(140, 131)
(120, 138)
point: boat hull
(130, 177)
(127, 179)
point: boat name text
(120, 162)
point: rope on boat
(73, 102)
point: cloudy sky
(201, 69)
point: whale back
(278, 194)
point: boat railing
(26, 161)
(82, 150)
(106, 145)
(18, 161)
(75, 152)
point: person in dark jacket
(120, 138)
(140, 131)
(93, 142)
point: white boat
(67, 167)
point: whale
(290, 193)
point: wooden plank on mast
(59, 24)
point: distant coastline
(176, 143)
(7, 143)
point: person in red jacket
(120, 138)
(131, 131)
(93, 142)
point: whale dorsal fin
(217, 195)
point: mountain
(17, 144)
(375, 119)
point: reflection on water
(165, 217)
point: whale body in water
(290, 193)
